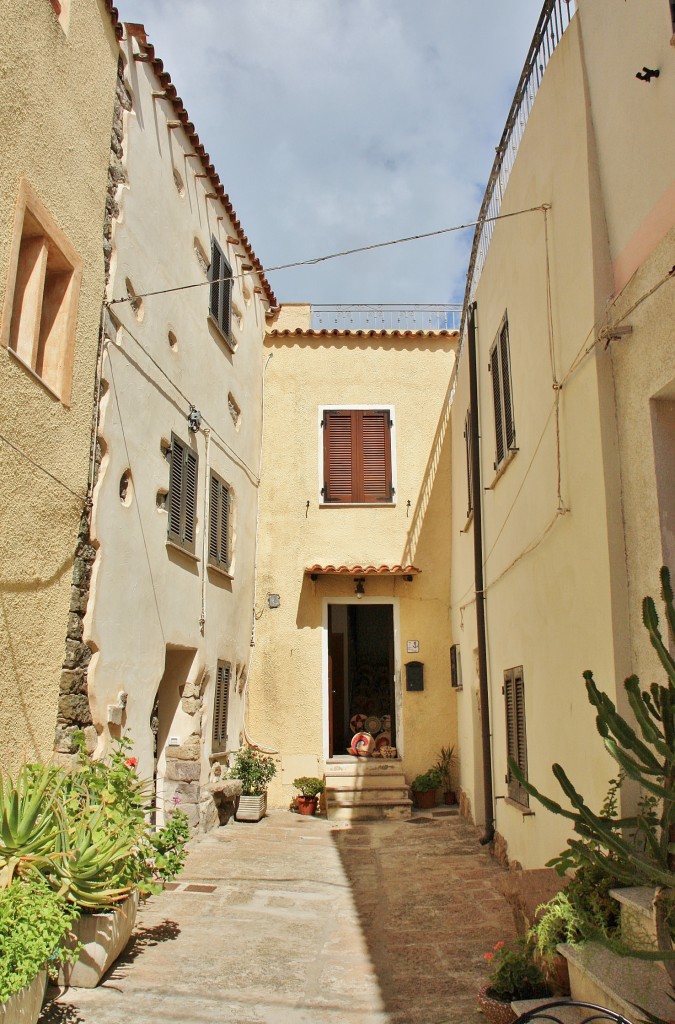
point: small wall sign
(412, 647)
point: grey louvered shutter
(190, 499)
(215, 274)
(220, 704)
(176, 489)
(214, 518)
(497, 404)
(220, 303)
(505, 367)
(224, 551)
(469, 460)
(516, 736)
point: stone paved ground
(311, 922)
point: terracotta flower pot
(425, 799)
(307, 804)
(496, 1010)
(449, 797)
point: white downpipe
(249, 740)
(207, 509)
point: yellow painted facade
(288, 693)
(60, 151)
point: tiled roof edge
(182, 115)
(114, 17)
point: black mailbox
(414, 675)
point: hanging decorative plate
(362, 744)
(383, 740)
(356, 722)
(385, 723)
(372, 724)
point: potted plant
(515, 975)
(424, 788)
(309, 787)
(256, 771)
(446, 764)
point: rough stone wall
(73, 712)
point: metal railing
(384, 316)
(553, 20)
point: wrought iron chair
(544, 1012)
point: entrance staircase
(365, 790)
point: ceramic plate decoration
(372, 724)
(362, 744)
(356, 722)
(386, 723)
(383, 740)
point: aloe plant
(93, 862)
(639, 849)
(31, 821)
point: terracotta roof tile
(362, 570)
(112, 11)
(182, 115)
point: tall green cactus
(638, 850)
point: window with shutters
(468, 441)
(220, 292)
(516, 737)
(182, 498)
(220, 523)
(502, 396)
(40, 309)
(220, 704)
(357, 456)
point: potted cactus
(256, 771)
(309, 788)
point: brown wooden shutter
(516, 735)
(469, 460)
(190, 499)
(214, 518)
(339, 444)
(505, 366)
(374, 456)
(220, 704)
(176, 489)
(497, 403)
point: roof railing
(385, 316)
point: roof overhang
(407, 571)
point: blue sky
(338, 123)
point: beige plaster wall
(556, 586)
(632, 122)
(148, 597)
(57, 136)
(288, 709)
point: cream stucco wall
(288, 689)
(56, 136)
(555, 582)
(149, 598)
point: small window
(40, 310)
(182, 495)
(516, 737)
(220, 303)
(468, 440)
(357, 464)
(220, 523)
(500, 368)
(220, 705)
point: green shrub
(515, 974)
(309, 785)
(255, 770)
(429, 780)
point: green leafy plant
(34, 920)
(309, 786)
(446, 766)
(429, 780)
(583, 911)
(255, 770)
(515, 975)
(168, 845)
(638, 849)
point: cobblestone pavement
(302, 921)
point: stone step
(345, 798)
(619, 983)
(342, 783)
(637, 918)
(361, 766)
(399, 811)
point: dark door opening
(360, 674)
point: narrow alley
(302, 921)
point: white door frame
(393, 601)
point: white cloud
(336, 123)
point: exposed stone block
(208, 814)
(192, 813)
(74, 709)
(63, 740)
(191, 705)
(75, 627)
(73, 680)
(77, 654)
(182, 771)
(78, 600)
(81, 572)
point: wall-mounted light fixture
(359, 588)
(194, 420)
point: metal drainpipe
(476, 495)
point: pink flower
(488, 956)
(131, 762)
(176, 800)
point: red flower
(131, 762)
(488, 956)
(499, 945)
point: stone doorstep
(366, 782)
(371, 812)
(619, 983)
(358, 798)
(362, 766)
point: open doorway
(361, 674)
(168, 722)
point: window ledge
(184, 551)
(221, 572)
(506, 462)
(467, 524)
(35, 374)
(526, 812)
(227, 338)
(357, 504)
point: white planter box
(251, 808)
(24, 1006)
(103, 937)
